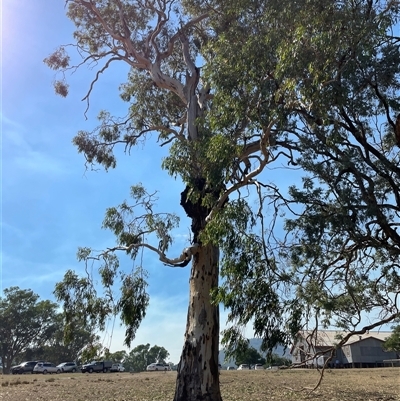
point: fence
(391, 362)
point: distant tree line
(251, 356)
(34, 329)
(140, 357)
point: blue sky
(50, 204)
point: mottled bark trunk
(7, 363)
(5, 360)
(198, 376)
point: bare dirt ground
(282, 385)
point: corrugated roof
(327, 338)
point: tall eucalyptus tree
(231, 87)
(161, 42)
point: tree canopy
(392, 343)
(143, 355)
(57, 348)
(117, 356)
(25, 322)
(239, 91)
(250, 357)
(327, 73)
(279, 360)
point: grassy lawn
(380, 384)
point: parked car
(117, 367)
(243, 366)
(258, 366)
(97, 366)
(46, 367)
(68, 367)
(24, 367)
(230, 368)
(157, 366)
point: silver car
(46, 367)
(158, 366)
(68, 367)
(117, 367)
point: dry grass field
(282, 385)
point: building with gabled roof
(314, 348)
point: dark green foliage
(278, 360)
(59, 59)
(143, 355)
(117, 357)
(392, 343)
(25, 322)
(250, 356)
(328, 73)
(56, 349)
(96, 151)
(129, 301)
(81, 301)
(255, 289)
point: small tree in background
(278, 360)
(249, 356)
(143, 355)
(25, 322)
(117, 357)
(392, 343)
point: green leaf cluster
(250, 357)
(392, 343)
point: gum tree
(163, 41)
(231, 88)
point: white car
(46, 367)
(243, 366)
(68, 367)
(117, 367)
(158, 366)
(258, 366)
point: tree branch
(182, 260)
